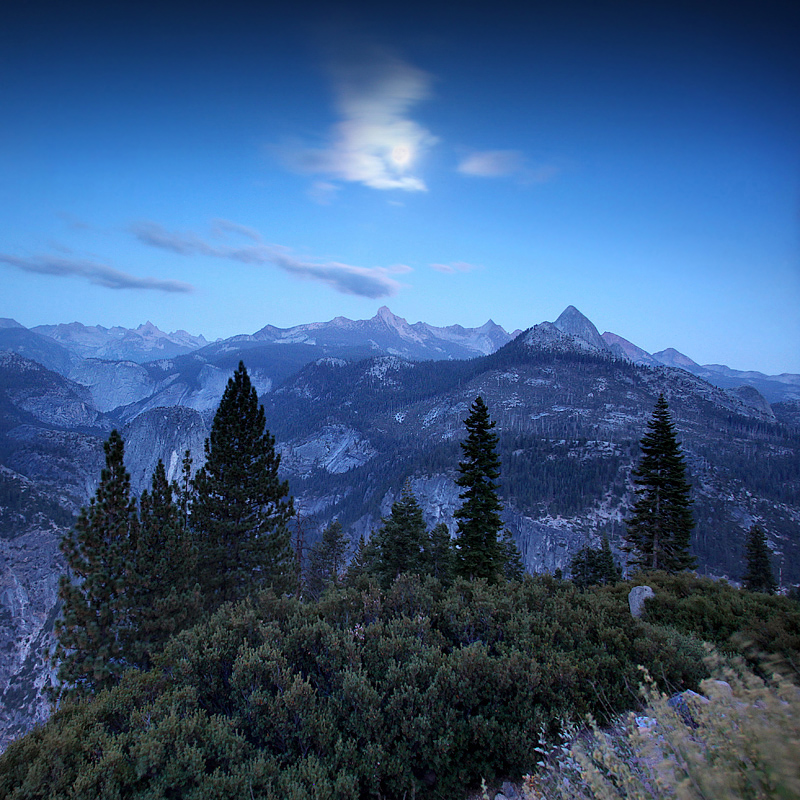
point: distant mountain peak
(143, 343)
(672, 358)
(385, 314)
(546, 336)
(573, 323)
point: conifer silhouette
(660, 527)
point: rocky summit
(359, 407)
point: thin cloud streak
(372, 282)
(503, 164)
(98, 274)
(453, 267)
(492, 163)
(221, 227)
(375, 143)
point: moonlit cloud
(98, 274)
(492, 163)
(375, 143)
(372, 282)
(453, 267)
(503, 164)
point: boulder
(636, 599)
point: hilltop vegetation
(419, 691)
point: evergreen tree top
(481, 462)
(659, 529)
(241, 508)
(759, 576)
(480, 554)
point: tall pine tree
(402, 541)
(479, 554)
(361, 564)
(241, 508)
(660, 527)
(94, 632)
(759, 576)
(594, 566)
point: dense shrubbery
(737, 622)
(418, 692)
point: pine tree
(659, 530)
(513, 568)
(441, 556)
(759, 576)
(94, 631)
(402, 540)
(185, 490)
(479, 554)
(592, 566)
(164, 597)
(241, 509)
(326, 561)
(361, 564)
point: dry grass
(742, 743)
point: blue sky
(220, 167)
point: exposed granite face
(166, 434)
(113, 383)
(30, 565)
(336, 449)
(636, 598)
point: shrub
(419, 691)
(736, 621)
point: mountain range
(383, 333)
(358, 407)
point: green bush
(419, 691)
(737, 622)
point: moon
(401, 154)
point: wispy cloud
(505, 163)
(375, 143)
(492, 163)
(98, 274)
(222, 227)
(453, 267)
(372, 282)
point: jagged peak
(632, 352)
(572, 322)
(385, 315)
